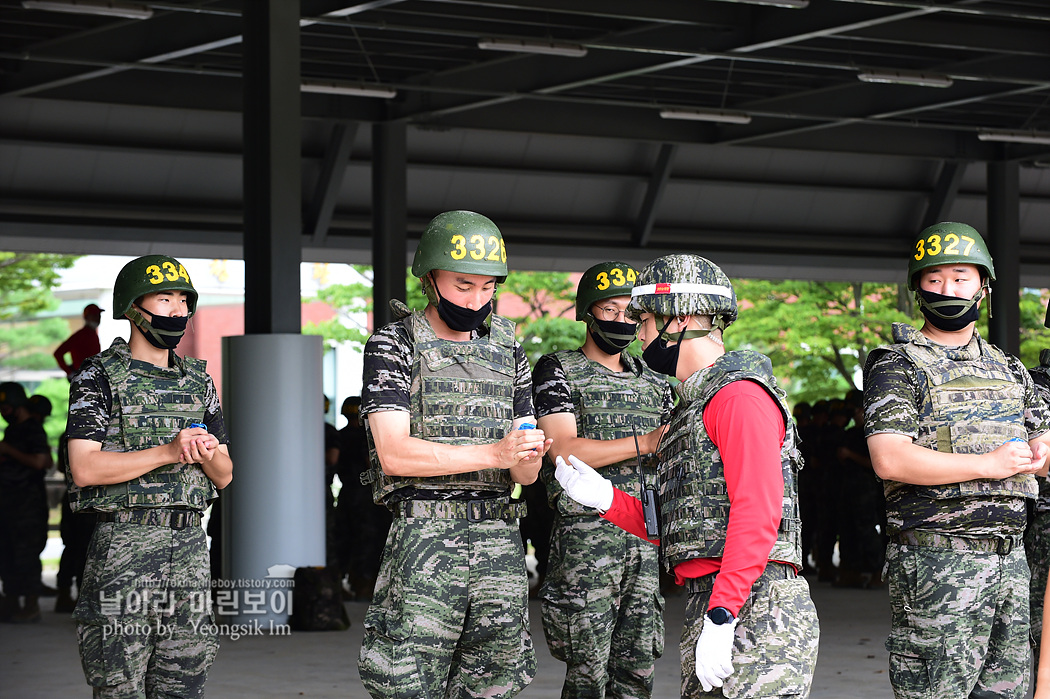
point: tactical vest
(609, 405)
(462, 393)
(151, 404)
(973, 403)
(694, 501)
(1041, 377)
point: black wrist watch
(720, 615)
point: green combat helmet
(676, 285)
(603, 281)
(460, 241)
(146, 275)
(947, 243)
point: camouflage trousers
(1037, 549)
(602, 609)
(775, 648)
(449, 616)
(144, 621)
(959, 623)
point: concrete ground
(40, 661)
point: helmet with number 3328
(461, 241)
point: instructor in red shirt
(728, 495)
(81, 344)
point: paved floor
(40, 660)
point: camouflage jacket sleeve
(891, 396)
(1036, 413)
(90, 403)
(213, 413)
(387, 375)
(668, 406)
(551, 387)
(522, 384)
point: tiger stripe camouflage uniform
(602, 607)
(1037, 535)
(958, 578)
(143, 617)
(775, 646)
(449, 615)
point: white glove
(714, 653)
(583, 484)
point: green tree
(26, 281)
(348, 300)
(29, 344)
(546, 326)
(1034, 336)
(818, 334)
(549, 323)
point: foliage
(818, 334)
(549, 323)
(349, 301)
(546, 326)
(1034, 336)
(29, 344)
(26, 280)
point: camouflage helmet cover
(149, 274)
(461, 241)
(603, 281)
(676, 285)
(947, 243)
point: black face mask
(949, 313)
(611, 336)
(460, 318)
(661, 358)
(162, 332)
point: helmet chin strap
(144, 325)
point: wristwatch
(720, 615)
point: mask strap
(143, 325)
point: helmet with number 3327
(949, 243)
(149, 274)
(461, 241)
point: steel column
(389, 220)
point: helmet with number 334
(603, 281)
(149, 274)
(949, 243)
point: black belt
(993, 544)
(175, 519)
(471, 510)
(773, 571)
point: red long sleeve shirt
(747, 426)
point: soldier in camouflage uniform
(143, 616)
(25, 456)
(602, 608)
(728, 492)
(444, 390)
(1037, 535)
(956, 431)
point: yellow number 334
(166, 271)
